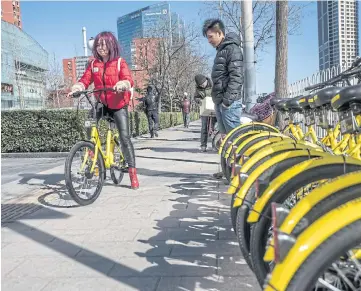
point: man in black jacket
(151, 100)
(227, 74)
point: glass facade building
(338, 33)
(24, 63)
(155, 21)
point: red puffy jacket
(107, 75)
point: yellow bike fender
(250, 139)
(263, 134)
(261, 144)
(309, 240)
(262, 168)
(326, 159)
(234, 185)
(234, 142)
(284, 145)
(243, 125)
(307, 203)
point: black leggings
(121, 119)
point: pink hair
(112, 45)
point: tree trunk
(281, 85)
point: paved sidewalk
(173, 233)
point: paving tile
(104, 284)
(118, 250)
(62, 268)
(21, 284)
(168, 266)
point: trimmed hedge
(59, 130)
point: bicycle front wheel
(84, 184)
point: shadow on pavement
(175, 150)
(203, 247)
(198, 254)
(177, 160)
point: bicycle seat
(293, 104)
(281, 105)
(324, 96)
(251, 116)
(274, 101)
(345, 97)
(108, 118)
(303, 102)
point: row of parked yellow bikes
(296, 191)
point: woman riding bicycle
(109, 70)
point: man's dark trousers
(153, 121)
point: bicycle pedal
(125, 170)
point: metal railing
(298, 88)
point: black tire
(117, 175)
(227, 171)
(243, 233)
(67, 174)
(242, 151)
(333, 201)
(322, 258)
(234, 210)
(117, 178)
(234, 213)
(243, 227)
(259, 230)
(239, 132)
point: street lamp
(91, 43)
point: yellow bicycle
(85, 181)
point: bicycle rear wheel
(117, 171)
(216, 141)
(84, 151)
(312, 273)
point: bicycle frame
(304, 206)
(298, 169)
(308, 242)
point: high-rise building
(10, 12)
(338, 33)
(155, 21)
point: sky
(57, 26)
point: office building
(10, 12)
(338, 33)
(155, 21)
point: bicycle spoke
(328, 285)
(347, 281)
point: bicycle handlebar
(77, 94)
